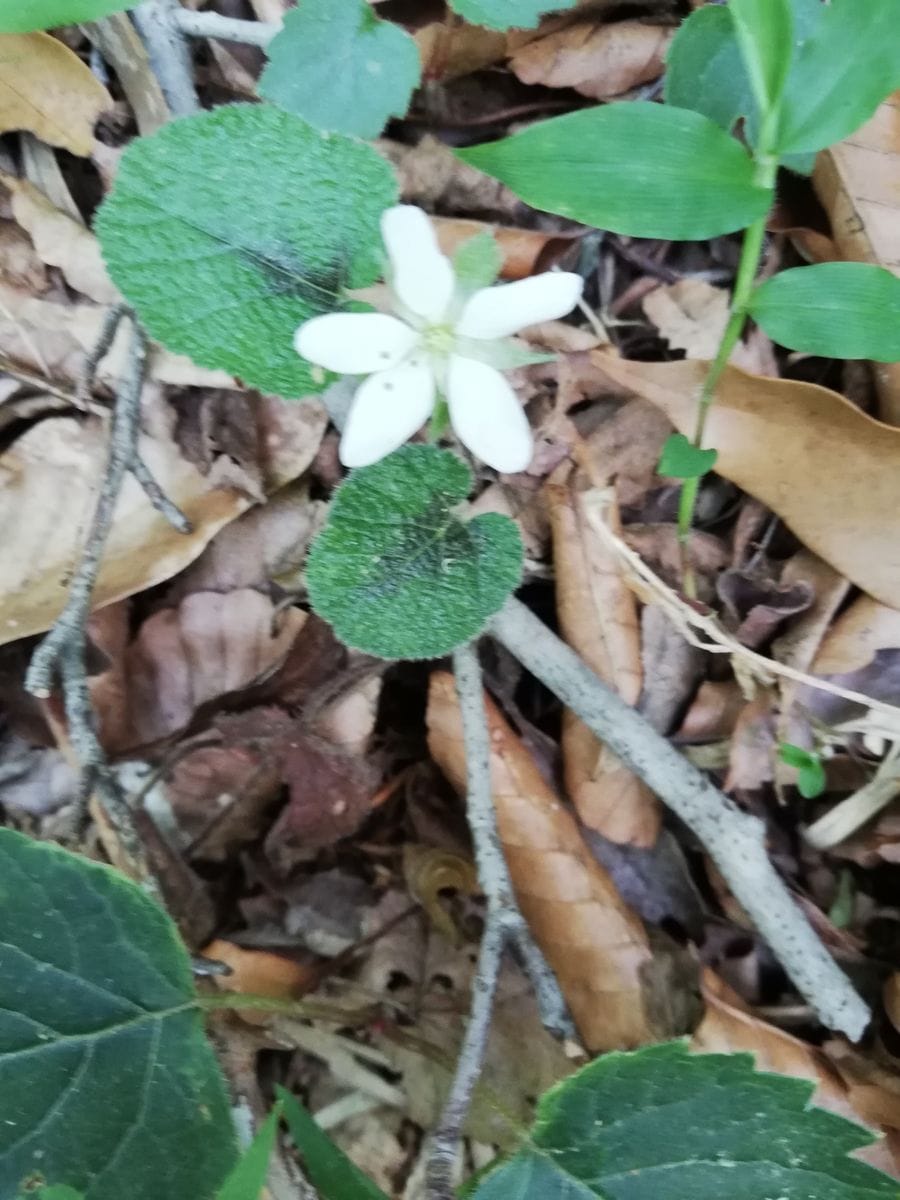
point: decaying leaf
(858, 182)
(428, 871)
(260, 973)
(598, 617)
(856, 637)
(621, 994)
(803, 451)
(525, 251)
(46, 89)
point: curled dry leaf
(619, 992)
(260, 973)
(858, 182)
(599, 60)
(525, 251)
(598, 618)
(428, 871)
(46, 89)
(800, 449)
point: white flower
(440, 342)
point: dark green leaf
(681, 459)
(765, 32)
(841, 74)
(228, 229)
(837, 310)
(331, 1172)
(248, 1176)
(508, 14)
(340, 67)
(637, 168)
(663, 1124)
(811, 778)
(22, 16)
(396, 572)
(107, 1081)
(705, 69)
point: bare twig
(117, 40)
(225, 29)
(170, 57)
(734, 840)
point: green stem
(751, 253)
(277, 1004)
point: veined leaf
(705, 70)
(765, 32)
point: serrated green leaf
(331, 1172)
(23, 16)
(837, 310)
(646, 170)
(341, 67)
(477, 262)
(663, 1124)
(508, 14)
(705, 69)
(396, 572)
(228, 229)
(107, 1082)
(765, 33)
(811, 777)
(681, 459)
(841, 74)
(248, 1176)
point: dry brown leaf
(525, 251)
(433, 177)
(452, 48)
(856, 636)
(20, 264)
(692, 314)
(61, 241)
(829, 471)
(728, 1028)
(46, 89)
(598, 60)
(858, 182)
(260, 973)
(595, 944)
(598, 618)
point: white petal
(499, 311)
(388, 408)
(355, 343)
(487, 415)
(422, 277)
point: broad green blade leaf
(838, 310)
(248, 1175)
(228, 229)
(705, 69)
(22, 16)
(765, 31)
(107, 1082)
(341, 67)
(663, 1124)
(396, 572)
(841, 74)
(681, 459)
(508, 14)
(331, 1172)
(638, 168)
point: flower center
(438, 340)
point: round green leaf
(838, 310)
(646, 170)
(340, 67)
(107, 1082)
(22, 16)
(396, 572)
(228, 229)
(507, 14)
(681, 459)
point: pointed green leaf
(838, 310)
(637, 168)
(681, 459)
(811, 778)
(228, 229)
(765, 32)
(396, 572)
(841, 74)
(477, 262)
(663, 1124)
(107, 1082)
(341, 67)
(331, 1172)
(248, 1176)
(508, 14)
(705, 69)
(22, 16)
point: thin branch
(170, 57)
(734, 840)
(225, 29)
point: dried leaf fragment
(598, 60)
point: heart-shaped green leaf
(107, 1082)
(396, 571)
(811, 777)
(228, 229)
(22, 16)
(681, 459)
(341, 67)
